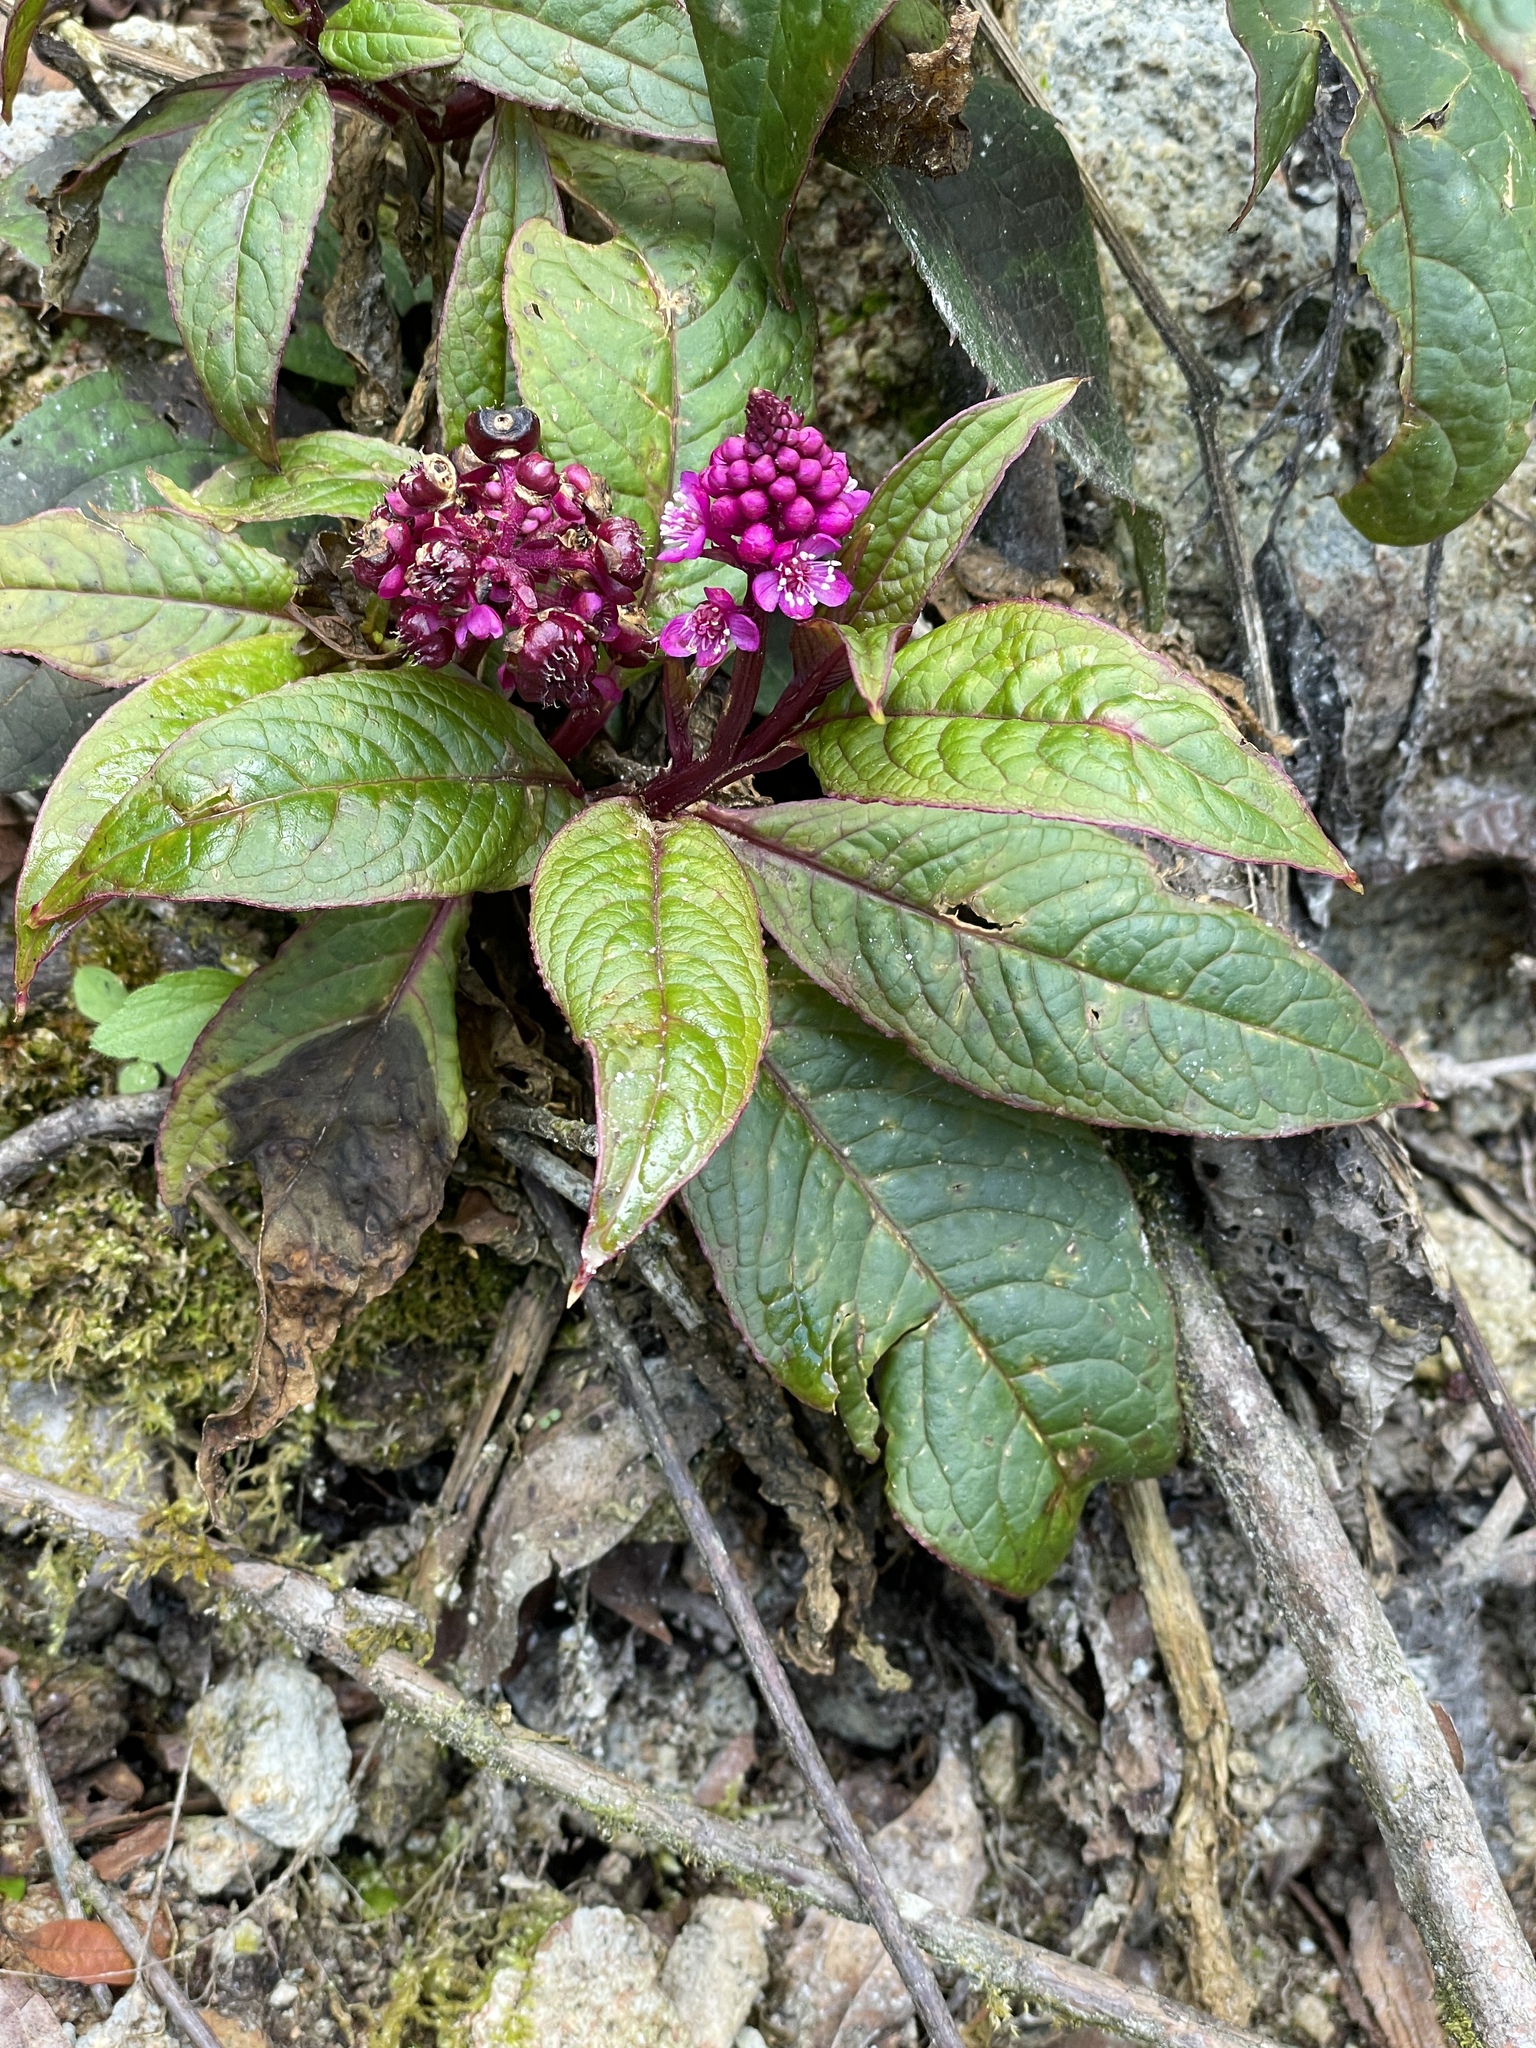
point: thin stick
(772, 1682)
(1351, 1997)
(240, 1241)
(1485, 1973)
(108, 1907)
(1477, 1363)
(88, 1120)
(1205, 393)
(45, 1805)
(331, 1624)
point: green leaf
(1026, 707)
(94, 441)
(42, 714)
(647, 935)
(1507, 31)
(628, 63)
(122, 597)
(593, 349)
(137, 1077)
(1007, 251)
(331, 790)
(161, 1021)
(240, 215)
(124, 745)
(729, 331)
(96, 992)
(871, 652)
(1442, 149)
(1045, 965)
(26, 17)
(775, 68)
(380, 39)
(348, 978)
(474, 363)
(867, 1218)
(326, 475)
(922, 514)
(173, 111)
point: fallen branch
(1484, 1969)
(87, 1121)
(881, 1910)
(356, 1631)
(72, 1876)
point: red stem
(682, 786)
(578, 729)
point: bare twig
(88, 1120)
(1485, 1973)
(1477, 1363)
(346, 1627)
(1442, 1075)
(240, 1241)
(1350, 1995)
(772, 1681)
(44, 1802)
(1058, 1703)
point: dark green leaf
(775, 68)
(171, 112)
(332, 790)
(1045, 965)
(93, 442)
(628, 63)
(1507, 31)
(42, 714)
(593, 347)
(128, 595)
(123, 745)
(240, 215)
(729, 331)
(161, 1021)
(648, 936)
(919, 517)
(335, 1070)
(1442, 148)
(867, 1218)
(1026, 707)
(1007, 250)
(378, 39)
(474, 366)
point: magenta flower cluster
(776, 502)
(496, 543)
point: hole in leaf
(964, 914)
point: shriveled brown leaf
(1390, 1963)
(77, 1951)
(132, 1851)
(357, 314)
(73, 216)
(913, 120)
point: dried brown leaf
(913, 120)
(26, 2018)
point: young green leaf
(332, 790)
(867, 1218)
(137, 1077)
(1442, 149)
(474, 365)
(162, 1020)
(775, 68)
(647, 935)
(119, 598)
(871, 652)
(1046, 966)
(96, 992)
(327, 475)
(729, 330)
(922, 514)
(335, 1069)
(123, 745)
(240, 214)
(593, 349)
(1007, 250)
(379, 39)
(1025, 707)
(627, 63)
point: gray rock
(716, 1969)
(273, 1748)
(216, 1855)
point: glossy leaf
(124, 745)
(923, 512)
(326, 475)
(378, 39)
(1026, 707)
(1507, 31)
(593, 349)
(1045, 965)
(867, 1219)
(331, 790)
(1442, 149)
(335, 1070)
(729, 330)
(240, 214)
(647, 935)
(775, 68)
(474, 364)
(628, 63)
(1007, 251)
(122, 597)
(161, 1021)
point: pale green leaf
(379, 39)
(161, 1021)
(326, 475)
